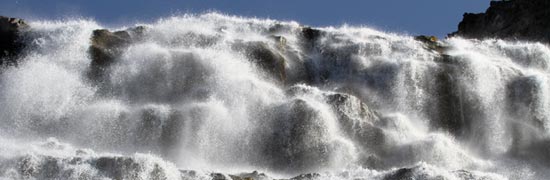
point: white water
(187, 97)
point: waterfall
(211, 95)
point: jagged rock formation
(10, 41)
(513, 19)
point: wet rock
(149, 130)
(118, 167)
(522, 97)
(357, 119)
(255, 175)
(513, 19)
(450, 112)
(107, 46)
(278, 28)
(421, 172)
(219, 176)
(454, 108)
(401, 174)
(431, 43)
(297, 141)
(11, 43)
(526, 121)
(265, 57)
(309, 176)
(126, 168)
(310, 34)
(348, 106)
(280, 41)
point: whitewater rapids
(187, 100)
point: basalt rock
(10, 39)
(511, 19)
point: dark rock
(356, 120)
(295, 141)
(453, 107)
(107, 46)
(250, 176)
(242, 176)
(431, 43)
(10, 39)
(265, 57)
(526, 124)
(278, 28)
(149, 129)
(125, 168)
(346, 104)
(401, 174)
(331, 63)
(280, 40)
(310, 34)
(310, 176)
(420, 172)
(522, 96)
(513, 19)
(449, 113)
(219, 176)
(118, 167)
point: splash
(216, 93)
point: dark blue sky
(431, 17)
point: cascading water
(216, 93)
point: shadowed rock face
(514, 19)
(265, 57)
(10, 42)
(107, 46)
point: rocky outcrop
(106, 46)
(242, 176)
(511, 19)
(431, 43)
(267, 58)
(297, 141)
(309, 36)
(356, 119)
(10, 39)
(126, 168)
(422, 172)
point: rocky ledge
(10, 41)
(509, 19)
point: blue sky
(430, 17)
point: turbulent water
(188, 100)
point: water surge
(213, 96)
